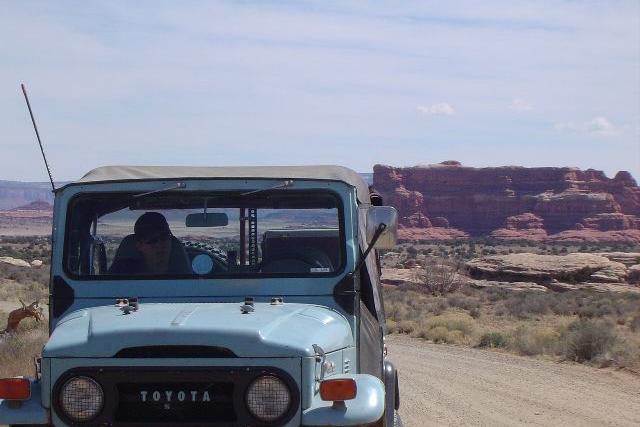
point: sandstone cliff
(511, 202)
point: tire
(397, 422)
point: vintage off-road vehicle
(266, 309)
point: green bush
(525, 304)
(587, 339)
(462, 301)
(439, 334)
(493, 340)
(530, 341)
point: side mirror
(387, 215)
(207, 220)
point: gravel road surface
(457, 386)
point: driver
(154, 244)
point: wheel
(217, 255)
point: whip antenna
(46, 164)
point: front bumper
(366, 408)
(25, 412)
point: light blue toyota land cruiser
(197, 296)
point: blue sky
(545, 83)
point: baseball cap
(151, 225)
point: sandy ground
(457, 386)
(25, 230)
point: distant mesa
(551, 204)
(38, 205)
(14, 193)
(36, 211)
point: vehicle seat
(178, 260)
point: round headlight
(81, 398)
(268, 398)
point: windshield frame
(200, 187)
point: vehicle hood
(285, 330)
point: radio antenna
(35, 127)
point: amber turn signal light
(338, 389)
(15, 388)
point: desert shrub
(587, 339)
(594, 304)
(436, 307)
(412, 252)
(493, 340)
(453, 322)
(401, 327)
(474, 312)
(440, 275)
(524, 304)
(529, 340)
(497, 294)
(626, 353)
(439, 334)
(24, 274)
(395, 311)
(452, 328)
(462, 301)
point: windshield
(204, 235)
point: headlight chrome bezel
(281, 382)
(63, 410)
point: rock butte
(448, 201)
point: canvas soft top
(151, 173)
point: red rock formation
(512, 201)
(612, 222)
(525, 221)
(431, 233)
(526, 226)
(440, 221)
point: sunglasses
(158, 238)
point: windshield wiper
(284, 184)
(174, 186)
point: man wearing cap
(154, 245)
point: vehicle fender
(392, 395)
(27, 411)
(367, 407)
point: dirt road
(446, 385)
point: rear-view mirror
(388, 216)
(207, 220)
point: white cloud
(437, 109)
(599, 126)
(520, 104)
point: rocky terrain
(607, 271)
(604, 271)
(449, 201)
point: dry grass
(598, 328)
(17, 350)
(28, 284)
